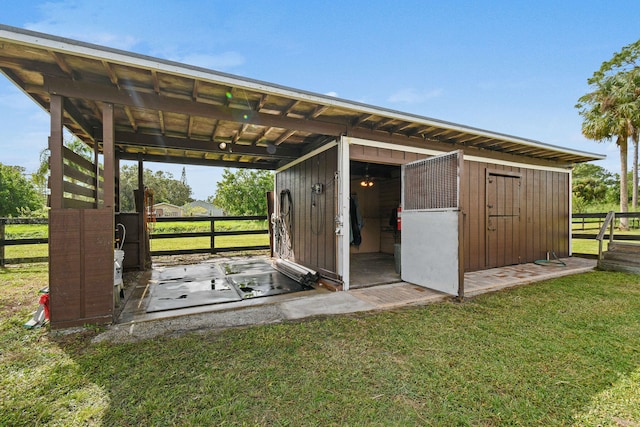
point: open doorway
(375, 195)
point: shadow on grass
(554, 353)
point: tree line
(240, 192)
(611, 112)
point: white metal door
(431, 223)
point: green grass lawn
(560, 352)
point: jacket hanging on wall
(356, 221)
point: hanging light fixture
(366, 181)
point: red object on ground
(44, 301)
(399, 218)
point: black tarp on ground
(216, 283)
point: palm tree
(611, 111)
(626, 62)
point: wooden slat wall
(79, 182)
(313, 240)
(81, 266)
(544, 213)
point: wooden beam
(55, 150)
(318, 111)
(290, 108)
(61, 63)
(78, 118)
(283, 137)
(263, 100)
(381, 123)
(361, 119)
(196, 84)
(112, 74)
(160, 141)
(96, 171)
(156, 82)
(198, 161)
(84, 90)
(192, 120)
(108, 151)
(132, 119)
(161, 120)
(34, 66)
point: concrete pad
(333, 303)
(135, 331)
(398, 295)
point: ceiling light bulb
(222, 145)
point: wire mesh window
(432, 183)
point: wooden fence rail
(212, 234)
(11, 242)
(579, 218)
(211, 248)
(597, 218)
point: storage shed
(471, 199)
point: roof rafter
(197, 161)
(62, 63)
(159, 141)
(75, 89)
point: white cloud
(413, 96)
(332, 93)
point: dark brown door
(503, 219)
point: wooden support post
(55, 153)
(116, 172)
(144, 247)
(108, 139)
(213, 236)
(96, 169)
(2, 222)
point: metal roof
(171, 112)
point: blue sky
(514, 67)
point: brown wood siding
(313, 240)
(544, 207)
(544, 214)
(81, 266)
(382, 155)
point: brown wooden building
(472, 199)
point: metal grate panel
(432, 183)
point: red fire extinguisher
(399, 217)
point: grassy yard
(561, 352)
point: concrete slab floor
(135, 324)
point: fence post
(213, 236)
(2, 222)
